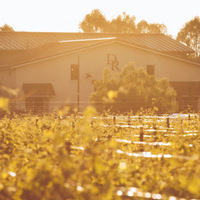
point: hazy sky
(65, 15)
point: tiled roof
(158, 42)
(19, 48)
(11, 58)
(29, 40)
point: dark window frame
(150, 69)
(74, 72)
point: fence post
(168, 122)
(36, 122)
(139, 118)
(73, 124)
(129, 120)
(141, 138)
(141, 134)
(155, 133)
(68, 146)
(91, 124)
(114, 120)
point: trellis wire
(147, 154)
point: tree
(144, 27)
(133, 89)
(123, 24)
(6, 27)
(190, 35)
(94, 22)
(157, 28)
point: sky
(65, 15)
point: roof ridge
(91, 39)
(93, 33)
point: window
(150, 69)
(37, 104)
(74, 72)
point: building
(56, 69)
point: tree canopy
(6, 27)
(97, 22)
(133, 89)
(190, 34)
(144, 27)
(122, 24)
(94, 22)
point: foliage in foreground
(189, 35)
(36, 162)
(133, 89)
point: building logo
(112, 60)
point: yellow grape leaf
(4, 102)
(112, 94)
(194, 185)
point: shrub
(133, 89)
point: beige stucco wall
(93, 61)
(7, 78)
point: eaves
(87, 47)
(158, 52)
(64, 53)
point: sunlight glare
(119, 193)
